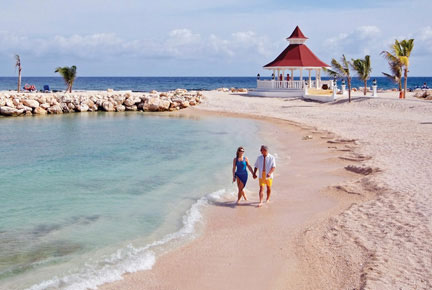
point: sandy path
(386, 242)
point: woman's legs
(241, 193)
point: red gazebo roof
(297, 54)
(297, 33)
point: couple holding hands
(265, 164)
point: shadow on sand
(232, 204)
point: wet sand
(245, 247)
(355, 214)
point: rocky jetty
(28, 104)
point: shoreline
(380, 211)
(218, 215)
(378, 237)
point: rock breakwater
(28, 104)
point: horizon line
(102, 76)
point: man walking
(266, 165)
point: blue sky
(198, 37)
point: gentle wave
(130, 259)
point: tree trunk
(349, 89)
(405, 81)
(19, 80)
(365, 87)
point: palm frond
(68, 74)
(362, 67)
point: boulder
(71, 106)
(10, 103)
(153, 104)
(132, 108)
(45, 106)
(31, 103)
(55, 109)
(120, 108)
(119, 99)
(8, 111)
(82, 108)
(131, 101)
(164, 105)
(65, 108)
(108, 106)
(25, 108)
(185, 104)
(41, 99)
(16, 101)
(40, 111)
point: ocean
(85, 198)
(172, 83)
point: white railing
(295, 85)
(274, 84)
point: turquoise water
(85, 198)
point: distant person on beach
(425, 87)
(266, 164)
(240, 166)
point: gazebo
(296, 57)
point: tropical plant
(341, 70)
(395, 68)
(363, 69)
(69, 75)
(402, 50)
(18, 66)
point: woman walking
(240, 172)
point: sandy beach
(351, 208)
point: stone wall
(28, 104)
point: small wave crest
(130, 259)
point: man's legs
(268, 193)
(261, 195)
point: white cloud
(424, 44)
(179, 43)
(361, 41)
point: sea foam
(130, 259)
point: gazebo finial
(297, 36)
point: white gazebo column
(310, 79)
(301, 75)
(292, 75)
(317, 78)
(283, 78)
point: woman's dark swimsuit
(241, 171)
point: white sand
(378, 236)
(386, 241)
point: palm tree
(402, 50)
(395, 68)
(342, 70)
(363, 69)
(18, 66)
(68, 74)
